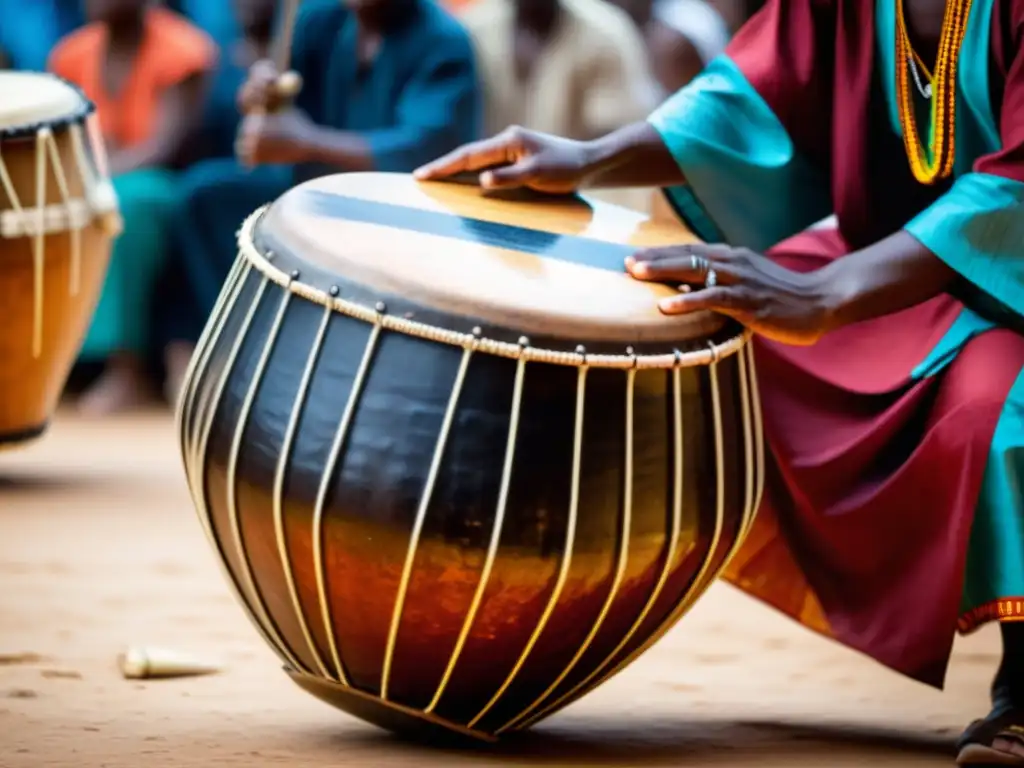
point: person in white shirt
(683, 36)
(577, 68)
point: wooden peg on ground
(138, 663)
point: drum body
(463, 513)
(58, 216)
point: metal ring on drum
(58, 218)
(456, 466)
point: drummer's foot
(999, 738)
(996, 740)
(122, 387)
(177, 357)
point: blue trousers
(216, 197)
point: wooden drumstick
(285, 34)
(289, 82)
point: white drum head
(32, 98)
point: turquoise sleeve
(977, 228)
(746, 184)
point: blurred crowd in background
(395, 83)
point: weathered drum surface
(58, 216)
(457, 466)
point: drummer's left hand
(276, 138)
(775, 302)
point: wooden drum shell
(415, 565)
(37, 352)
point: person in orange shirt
(146, 69)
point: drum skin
(37, 360)
(434, 537)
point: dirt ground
(100, 548)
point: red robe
(876, 472)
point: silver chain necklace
(925, 89)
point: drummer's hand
(276, 138)
(777, 303)
(530, 159)
(266, 88)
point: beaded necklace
(934, 162)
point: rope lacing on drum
(71, 214)
(698, 357)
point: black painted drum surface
(432, 535)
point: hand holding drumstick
(272, 131)
(267, 89)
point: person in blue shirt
(217, 18)
(388, 85)
(29, 30)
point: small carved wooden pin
(138, 663)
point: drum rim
(710, 355)
(22, 130)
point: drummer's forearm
(634, 156)
(893, 274)
(344, 150)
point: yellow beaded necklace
(936, 161)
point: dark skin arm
(797, 307)
(275, 132)
(634, 156)
(340, 149)
(792, 307)
(179, 109)
(289, 136)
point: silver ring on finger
(711, 279)
(699, 265)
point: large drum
(458, 467)
(58, 215)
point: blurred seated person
(241, 30)
(575, 68)
(572, 67)
(29, 29)
(388, 84)
(683, 36)
(146, 70)
(217, 18)
(736, 12)
(176, 312)
(731, 14)
(254, 27)
(456, 7)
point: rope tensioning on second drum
(58, 218)
(70, 215)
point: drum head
(33, 99)
(539, 265)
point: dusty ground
(100, 548)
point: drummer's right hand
(266, 88)
(514, 158)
